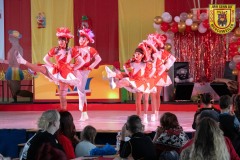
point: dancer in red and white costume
(91, 60)
(61, 72)
(136, 78)
(163, 61)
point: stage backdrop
(135, 23)
(97, 88)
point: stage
(104, 117)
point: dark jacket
(139, 146)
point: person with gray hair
(139, 146)
(48, 124)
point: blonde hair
(47, 118)
(209, 142)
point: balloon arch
(191, 40)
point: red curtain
(103, 17)
(17, 16)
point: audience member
(208, 143)
(169, 155)
(48, 124)
(86, 144)
(66, 135)
(139, 146)
(48, 152)
(236, 105)
(169, 135)
(206, 101)
(229, 122)
(208, 135)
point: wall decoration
(41, 20)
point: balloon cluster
(183, 22)
(166, 24)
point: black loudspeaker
(220, 88)
(179, 65)
(228, 72)
(184, 91)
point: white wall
(2, 29)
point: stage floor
(104, 121)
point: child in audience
(170, 135)
(86, 144)
(66, 135)
(139, 146)
(206, 102)
(48, 124)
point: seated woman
(48, 124)
(170, 135)
(139, 146)
(66, 135)
(208, 143)
(86, 144)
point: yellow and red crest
(222, 18)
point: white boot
(85, 115)
(20, 59)
(112, 83)
(82, 118)
(153, 117)
(145, 119)
(110, 73)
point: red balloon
(188, 29)
(233, 53)
(174, 28)
(238, 66)
(164, 26)
(205, 23)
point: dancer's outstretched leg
(33, 67)
(110, 75)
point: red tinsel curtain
(103, 17)
(206, 53)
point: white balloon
(189, 22)
(167, 18)
(165, 14)
(236, 58)
(203, 16)
(156, 26)
(201, 29)
(177, 19)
